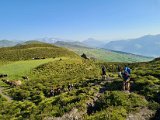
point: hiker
(63, 88)
(103, 72)
(89, 108)
(3, 75)
(119, 69)
(126, 78)
(58, 90)
(52, 92)
(72, 86)
(25, 77)
(76, 86)
(69, 87)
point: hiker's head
(125, 65)
(103, 66)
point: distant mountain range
(148, 45)
(9, 43)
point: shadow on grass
(157, 115)
(111, 86)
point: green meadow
(15, 70)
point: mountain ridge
(138, 45)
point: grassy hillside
(66, 70)
(147, 79)
(90, 97)
(35, 93)
(29, 51)
(102, 54)
(34, 100)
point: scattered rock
(74, 114)
(84, 56)
(143, 114)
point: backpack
(127, 69)
(126, 74)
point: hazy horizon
(72, 40)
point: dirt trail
(103, 88)
(8, 98)
(75, 114)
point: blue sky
(78, 19)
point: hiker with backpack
(126, 78)
(103, 72)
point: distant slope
(148, 45)
(29, 51)
(93, 43)
(7, 43)
(103, 54)
(70, 44)
(32, 42)
(52, 40)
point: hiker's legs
(124, 85)
(128, 85)
(103, 77)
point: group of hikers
(123, 73)
(59, 89)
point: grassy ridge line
(19, 68)
(29, 51)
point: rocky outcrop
(143, 114)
